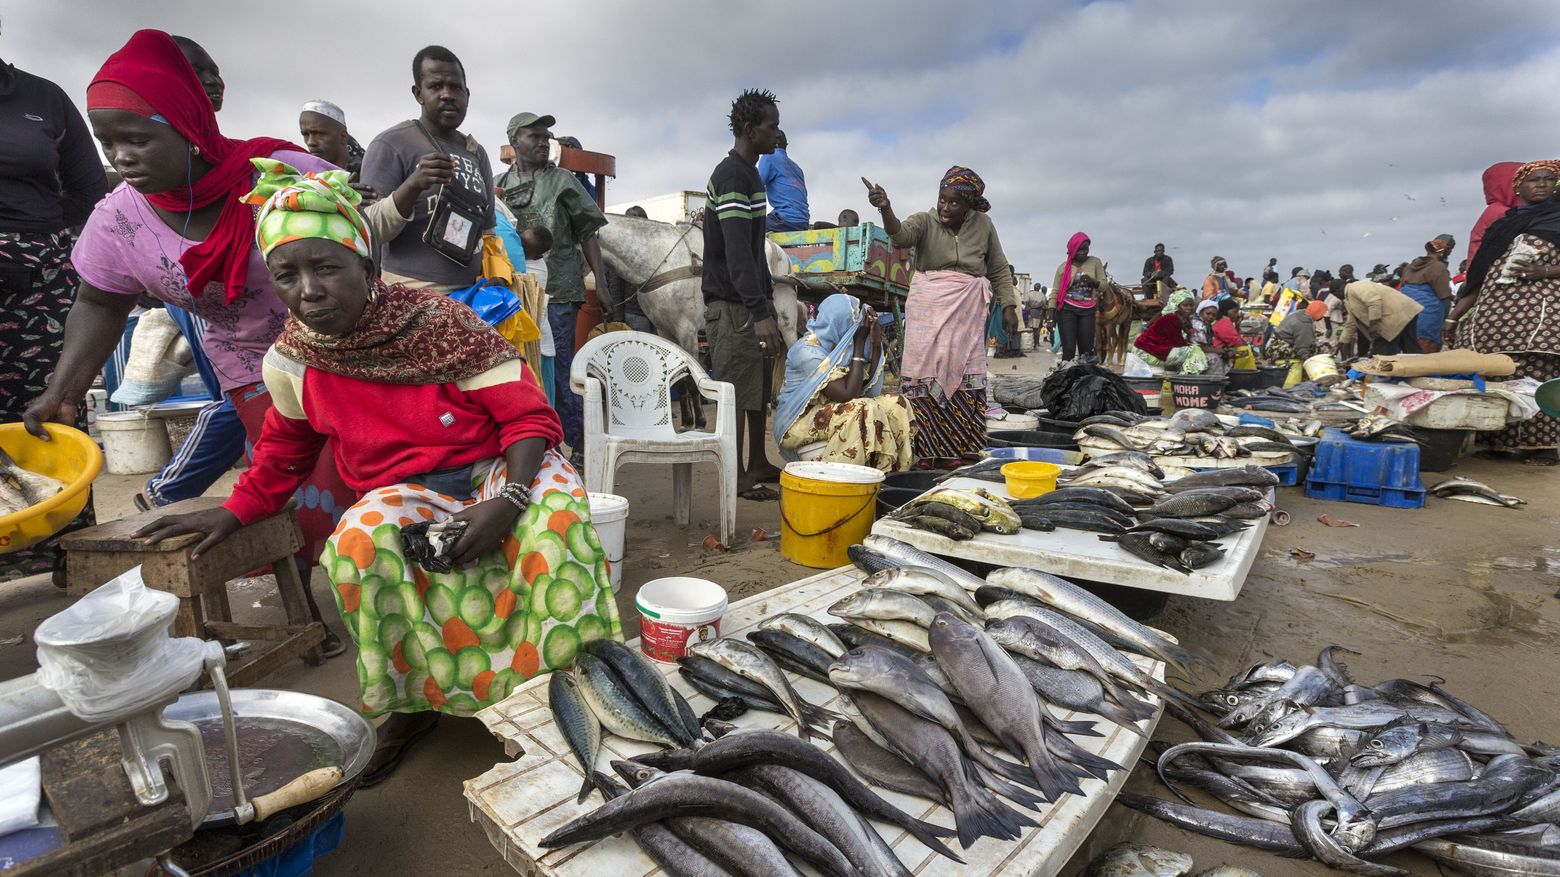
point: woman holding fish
(959, 268)
(834, 392)
(458, 433)
(1167, 344)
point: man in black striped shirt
(739, 310)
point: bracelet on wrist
(517, 495)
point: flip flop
(759, 493)
(383, 772)
(332, 645)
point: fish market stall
(520, 803)
(1078, 554)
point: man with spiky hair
(739, 309)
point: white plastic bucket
(609, 515)
(1323, 369)
(133, 444)
(677, 612)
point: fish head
(858, 665)
(1388, 747)
(950, 629)
(883, 578)
(634, 773)
(1355, 834)
(851, 604)
(1281, 728)
(1221, 701)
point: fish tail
(1011, 784)
(585, 789)
(928, 835)
(978, 814)
(1077, 728)
(1185, 661)
(1054, 781)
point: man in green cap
(539, 192)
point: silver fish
(806, 628)
(1399, 741)
(922, 581)
(687, 794)
(579, 725)
(903, 632)
(648, 685)
(746, 659)
(614, 706)
(883, 604)
(1077, 602)
(904, 554)
(825, 812)
(1307, 687)
(1138, 860)
(675, 855)
(1079, 691)
(996, 691)
(880, 767)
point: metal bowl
(281, 734)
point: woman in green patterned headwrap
(1166, 343)
(431, 417)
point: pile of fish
(1172, 524)
(1299, 399)
(21, 488)
(1468, 490)
(1380, 428)
(948, 685)
(1190, 432)
(1315, 764)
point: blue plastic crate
(1376, 473)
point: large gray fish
(1137, 459)
(749, 747)
(646, 683)
(902, 681)
(685, 794)
(1358, 717)
(616, 708)
(904, 554)
(1239, 493)
(1182, 527)
(807, 628)
(1075, 601)
(1502, 785)
(1401, 740)
(1409, 691)
(905, 633)
(976, 811)
(882, 604)
(746, 659)
(921, 582)
(1118, 667)
(881, 767)
(580, 728)
(1191, 504)
(1143, 547)
(1081, 494)
(676, 856)
(825, 812)
(1439, 766)
(996, 690)
(1221, 701)
(1138, 860)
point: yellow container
(1027, 479)
(825, 508)
(72, 457)
(1296, 373)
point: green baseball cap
(527, 120)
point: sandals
(332, 645)
(376, 774)
(759, 493)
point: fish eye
(1231, 699)
(1375, 744)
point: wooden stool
(97, 554)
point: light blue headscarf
(826, 346)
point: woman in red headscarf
(175, 229)
(1077, 285)
(959, 267)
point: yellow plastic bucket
(824, 509)
(1323, 369)
(1027, 479)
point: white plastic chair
(626, 379)
(813, 451)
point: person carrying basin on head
(457, 433)
(1166, 343)
(833, 392)
(959, 268)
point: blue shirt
(786, 187)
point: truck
(677, 207)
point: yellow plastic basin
(72, 457)
(1027, 479)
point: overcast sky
(1314, 131)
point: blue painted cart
(859, 260)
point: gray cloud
(1314, 132)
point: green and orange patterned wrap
(460, 641)
(295, 205)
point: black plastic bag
(431, 544)
(1085, 389)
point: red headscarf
(150, 73)
(1500, 195)
(1073, 243)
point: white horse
(663, 261)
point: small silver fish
(1139, 860)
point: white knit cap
(326, 109)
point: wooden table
(97, 554)
(102, 823)
(520, 802)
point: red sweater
(383, 434)
(1162, 336)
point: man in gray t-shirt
(433, 144)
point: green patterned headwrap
(296, 205)
(1175, 300)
